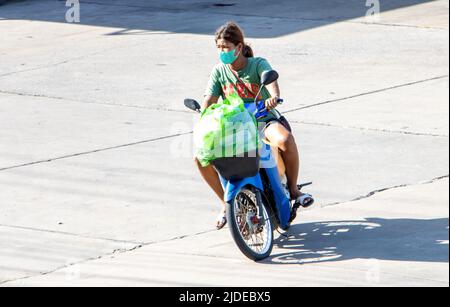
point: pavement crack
(364, 270)
(112, 104)
(372, 193)
(285, 112)
(115, 252)
(366, 93)
(66, 266)
(370, 129)
(179, 237)
(48, 66)
(95, 151)
(69, 60)
(141, 245)
(395, 25)
(67, 234)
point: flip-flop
(305, 201)
(221, 221)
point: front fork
(262, 221)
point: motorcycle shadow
(371, 238)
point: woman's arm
(209, 100)
(274, 91)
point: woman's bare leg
(212, 179)
(278, 135)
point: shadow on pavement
(143, 17)
(374, 238)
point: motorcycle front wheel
(251, 225)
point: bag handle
(242, 82)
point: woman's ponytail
(248, 51)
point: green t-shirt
(223, 82)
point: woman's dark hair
(232, 33)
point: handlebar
(259, 108)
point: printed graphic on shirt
(245, 91)
(223, 82)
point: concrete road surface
(97, 183)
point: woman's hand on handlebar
(272, 103)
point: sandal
(221, 221)
(305, 200)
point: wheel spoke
(245, 206)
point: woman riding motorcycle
(239, 72)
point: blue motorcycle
(255, 190)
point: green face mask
(228, 57)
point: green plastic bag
(225, 129)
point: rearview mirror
(269, 77)
(192, 104)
